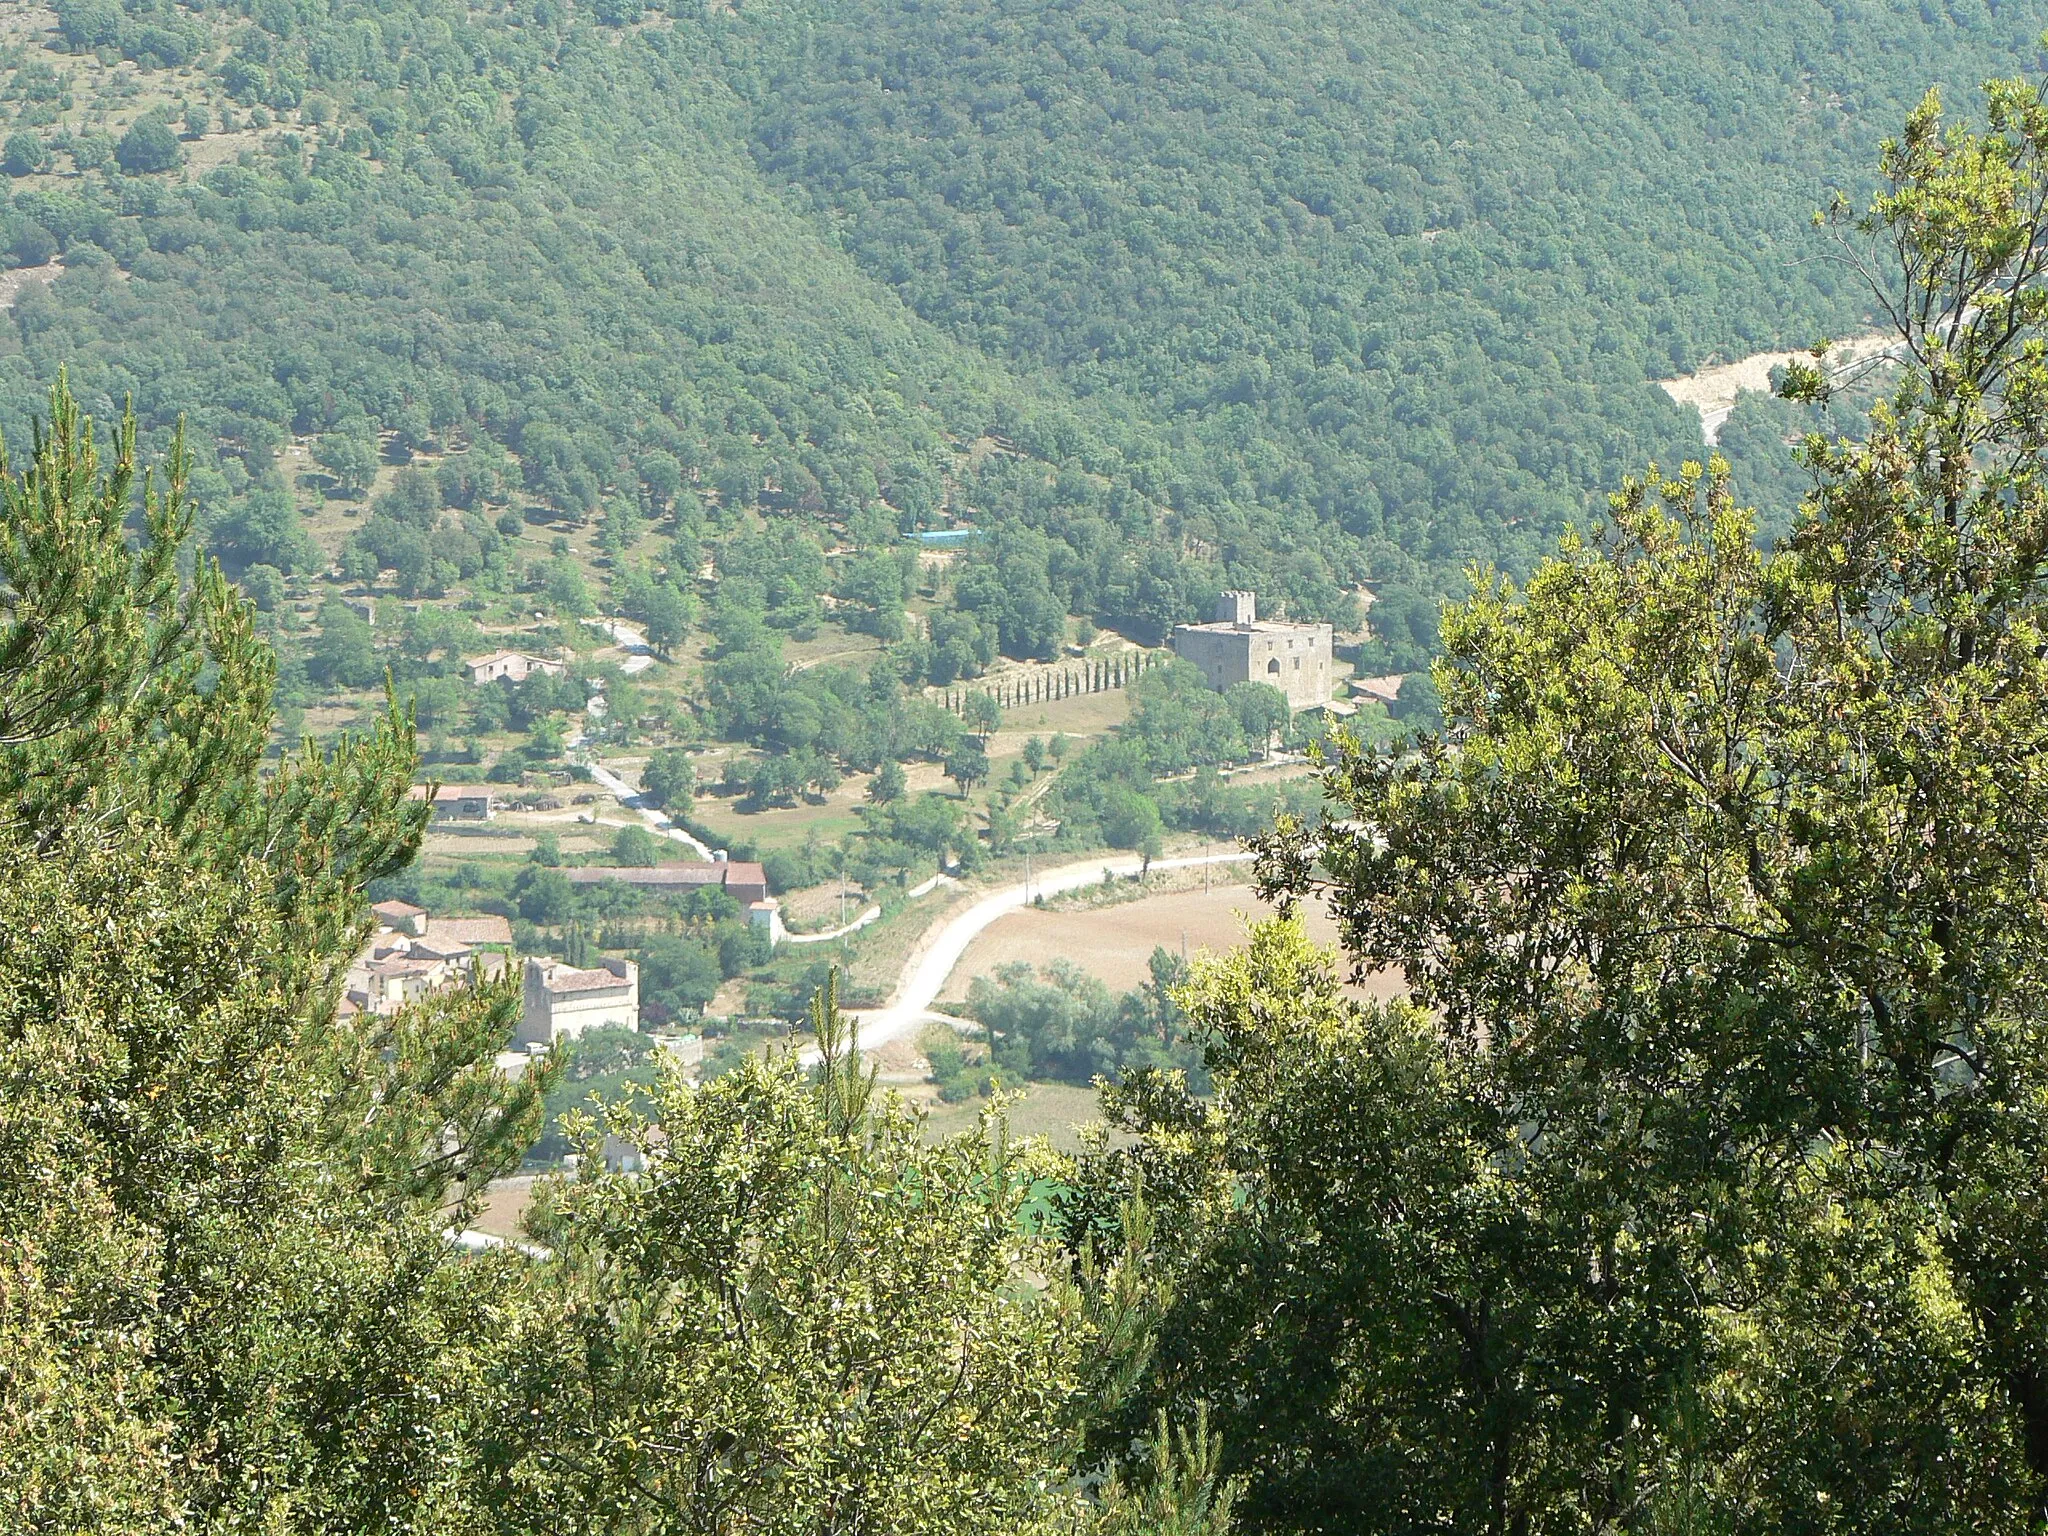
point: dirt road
(931, 963)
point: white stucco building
(516, 665)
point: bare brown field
(1115, 943)
(503, 1204)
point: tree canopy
(1698, 1186)
(228, 1298)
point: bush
(604, 1066)
(679, 975)
(265, 586)
(25, 154)
(149, 146)
(88, 24)
(33, 245)
(669, 780)
(956, 1081)
(1063, 1024)
(93, 151)
(636, 847)
(544, 894)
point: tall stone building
(1240, 647)
(561, 1002)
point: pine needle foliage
(226, 1301)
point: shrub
(25, 154)
(149, 146)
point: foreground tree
(224, 1296)
(228, 1301)
(805, 1318)
(1707, 1191)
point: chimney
(1239, 608)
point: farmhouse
(744, 883)
(459, 802)
(1240, 647)
(516, 665)
(560, 1002)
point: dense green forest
(1304, 298)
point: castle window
(1273, 667)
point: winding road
(639, 655)
(860, 922)
(931, 963)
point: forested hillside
(1396, 270)
(1301, 297)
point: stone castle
(1240, 647)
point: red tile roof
(565, 979)
(471, 930)
(671, 874)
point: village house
(516, 665)
(1240, 647)
(561, 1002)
(411, 956)
(460, 802)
